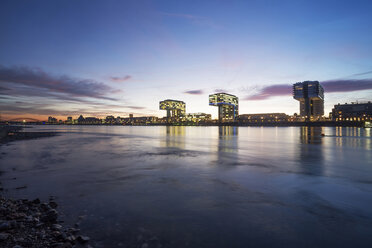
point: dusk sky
(97, 58)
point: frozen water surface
(202, 186)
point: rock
(56, 227)
(53, 204)
(61, 245)
(4, 236)
(13, 224)
(20, 240)
(74, 230)
(34, 224)
(51, 216)
(21, 187)
(71, 238)
(4, 226)
(83, 239)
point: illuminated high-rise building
(228, 106)
(310, 94)
(175, 109)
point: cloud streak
(270, 91)
(26, 79)
(194, 92)
(330, 86)
(121, 79)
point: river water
(202, 186)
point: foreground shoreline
(32, 223)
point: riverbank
(238, 124)
(32, 223)
(13, 133)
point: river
(202, 186)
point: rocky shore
(32, 223)
(25, 223)
(13, 133)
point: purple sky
(99, 58)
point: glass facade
(310, 94)
(175, 109)
(228, 106)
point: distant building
(52, 120)
(92, 121)
(80, 120)
(198, 117)
(142, 120)
(310, 94)
(175, 109)
(352, 112)
(69, 120)
(228, 106)
(267, 117)
(110, 119)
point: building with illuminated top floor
(228, 106)
(310, 94)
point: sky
(98, 58)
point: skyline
(117, 58)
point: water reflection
(310, 152)
(311, 135)
(227, 145)
(187, 191)
(175, 136)
(351, 136)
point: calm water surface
(202, 186)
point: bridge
(26, 119)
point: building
(175, 109)
(269, 117)
(142, 120)
(80, 120)
(52, 120)
(110, 119)
(92, 121)
(198, 117)
(310, 94)
(228, 106)
(69, 120)
(352, 112)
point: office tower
(227, 104)
(175, 109)
(310, 94)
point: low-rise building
(266, 117)
(198, 117)
(352, 112)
